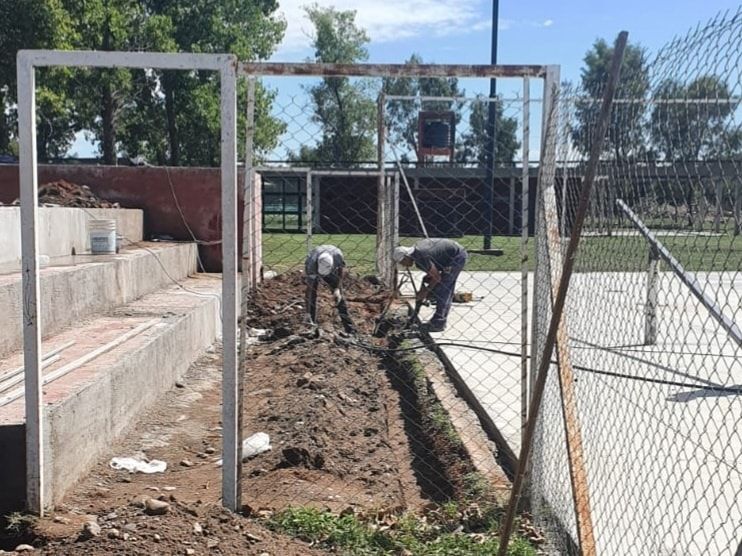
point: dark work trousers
(333, 282)
(444, 290)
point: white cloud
(385, 20)
(547, 23)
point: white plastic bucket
(102, 237)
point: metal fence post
(382, 259)
(35, 473)
(524, 262)
(650, 309)
(309, 209)
(231, 390)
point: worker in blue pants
(442, 260)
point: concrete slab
(89, 407)
(85, 285)
(664, 462)
(62, 231)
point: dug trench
(354, 429)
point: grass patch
(283, 252)
(448, 531)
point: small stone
(156, 489)
(130, 527)
(179, 384)
(201, 455)
(112, 516)
(125, 479)
(210, 450)
(24, 548)
(190, 551)
(90, 530)
(253, 538)
(156, 507)
(198, 529)
(157, 537)
(264, 554)
(61, 519)
(212, 543)
(168, 489)
(186, 463)
(125, 536)
(114, 534)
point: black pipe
(489, 184)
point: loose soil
(344, 429)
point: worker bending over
(326, 262)
(442, 260)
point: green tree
(249, 29)
(692, 122)
(36, 24)
(473, 145)
(343, 108)
(626, 133)
(402, 117)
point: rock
(112, 516)
(90, 530)
(124, 536)
(212, 543)
(114, 534)
(24, 548)
(156, 507)
(157, 537)
(168, 489)
(210, 450)
(179, 384)
(189, 551)
(198, 529)
(253, 538)
(186, 463)
(132, 527)
(61, 519)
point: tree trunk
(169, 86)
(4, 127)
(108, 117)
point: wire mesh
(653, 309)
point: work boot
(434, 326)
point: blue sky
(459, 31)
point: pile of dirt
(63, 193)
(345, 430)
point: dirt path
(340, 430)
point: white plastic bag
(138, 465)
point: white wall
(61, 230)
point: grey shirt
(440, 252)
(310, 265)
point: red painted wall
(198, 191)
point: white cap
(325, 264)
(401, 252)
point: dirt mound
(67, 194)
(279, 304)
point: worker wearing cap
(442, 260)
(326, 262)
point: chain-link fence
(653, 310)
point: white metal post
(249, 277)
(524, 257)
(231, 391)
(35, 492)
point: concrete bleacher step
(129, 356)
(75, 288)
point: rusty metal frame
(306, 69)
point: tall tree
(36, 24)
(626, 133)
(343, 108)
(249, 29)
(402, 116)
(473, 144)
(692, 122)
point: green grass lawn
(282, 252)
